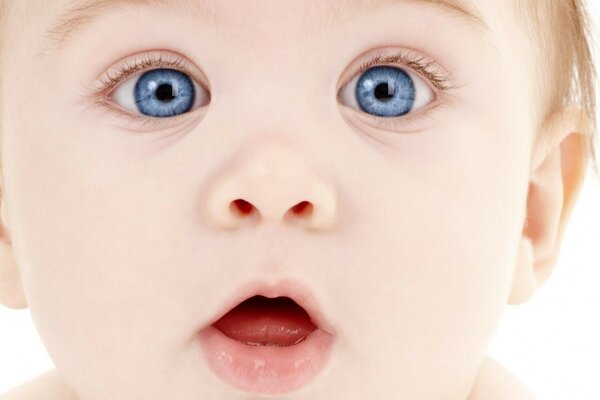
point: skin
(121, 242)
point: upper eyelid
(180, 63)
(422, 65)
(148, 62)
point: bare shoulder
(495, 382)
(48, 386)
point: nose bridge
(275, 84)
(275, 184)
(272, 95)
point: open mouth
(268, 338)
(263, 321)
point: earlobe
(11, 287)
(554, 184)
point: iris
(385, 91)
(164, 93)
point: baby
(317, 199)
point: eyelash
(146, 62)
(440, 79)
(429, 69)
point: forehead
(64, 19)
(56, 24)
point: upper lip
(293, 289)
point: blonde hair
(562, 31)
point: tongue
(260, 321)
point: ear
(558, 169)
(11, 288)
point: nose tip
(274, 180)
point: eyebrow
(83, 12)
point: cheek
(103, 252)
(430, 266)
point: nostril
(300, 207)
(246, 208)
(243, 206)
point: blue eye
(387, 91)
(160, 93)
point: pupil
(164, 92)
(384, 91)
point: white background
(552, 342)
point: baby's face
(127, 231)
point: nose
(275, 184)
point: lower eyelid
(141, 121)
(135, 122)
(413, 123)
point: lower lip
(265, 369)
